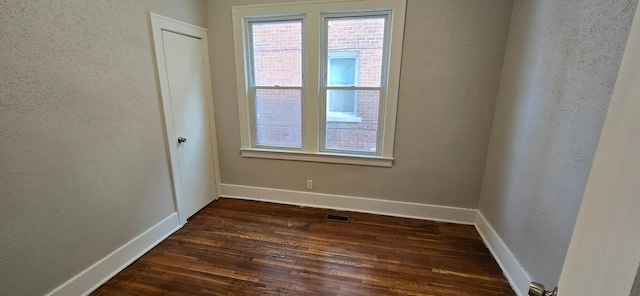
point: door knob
(181, 140)
(537, 289)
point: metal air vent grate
(337, 218)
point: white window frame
(313, 14)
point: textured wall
(560, 67)
(83, 165)
(604, 253)
(453, 55)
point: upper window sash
(250, 46)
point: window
(276, 84)
(342, 71)
(318, 81)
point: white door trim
(158, 24)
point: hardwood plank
(236, 247)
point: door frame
(161, 23)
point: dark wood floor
(235, 247)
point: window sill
(326, 157)
(343, 117)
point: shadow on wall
(558, 74)
(635, 290)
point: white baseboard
(513, 271)
(350, 203)
(97, 274)
(101, 271)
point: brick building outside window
(354, 58)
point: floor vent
(337, 218)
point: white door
(191, 139)
(183, 72)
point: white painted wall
(83, 164)
(604, 253)
(560, 67)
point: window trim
(312, 13)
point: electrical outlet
(309, 184)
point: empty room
(320, 147)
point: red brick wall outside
(277, 52)
(278, 60)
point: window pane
(342, 71)
(354, 132)
(277, 53)
(278, 117)
(361, 37)
(341, 101)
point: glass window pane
(341, 101)
(342, 71)
(357, 131)
(278, 117)
(277, 53)
(361, 37)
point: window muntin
(276, 84)
(315, 88)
